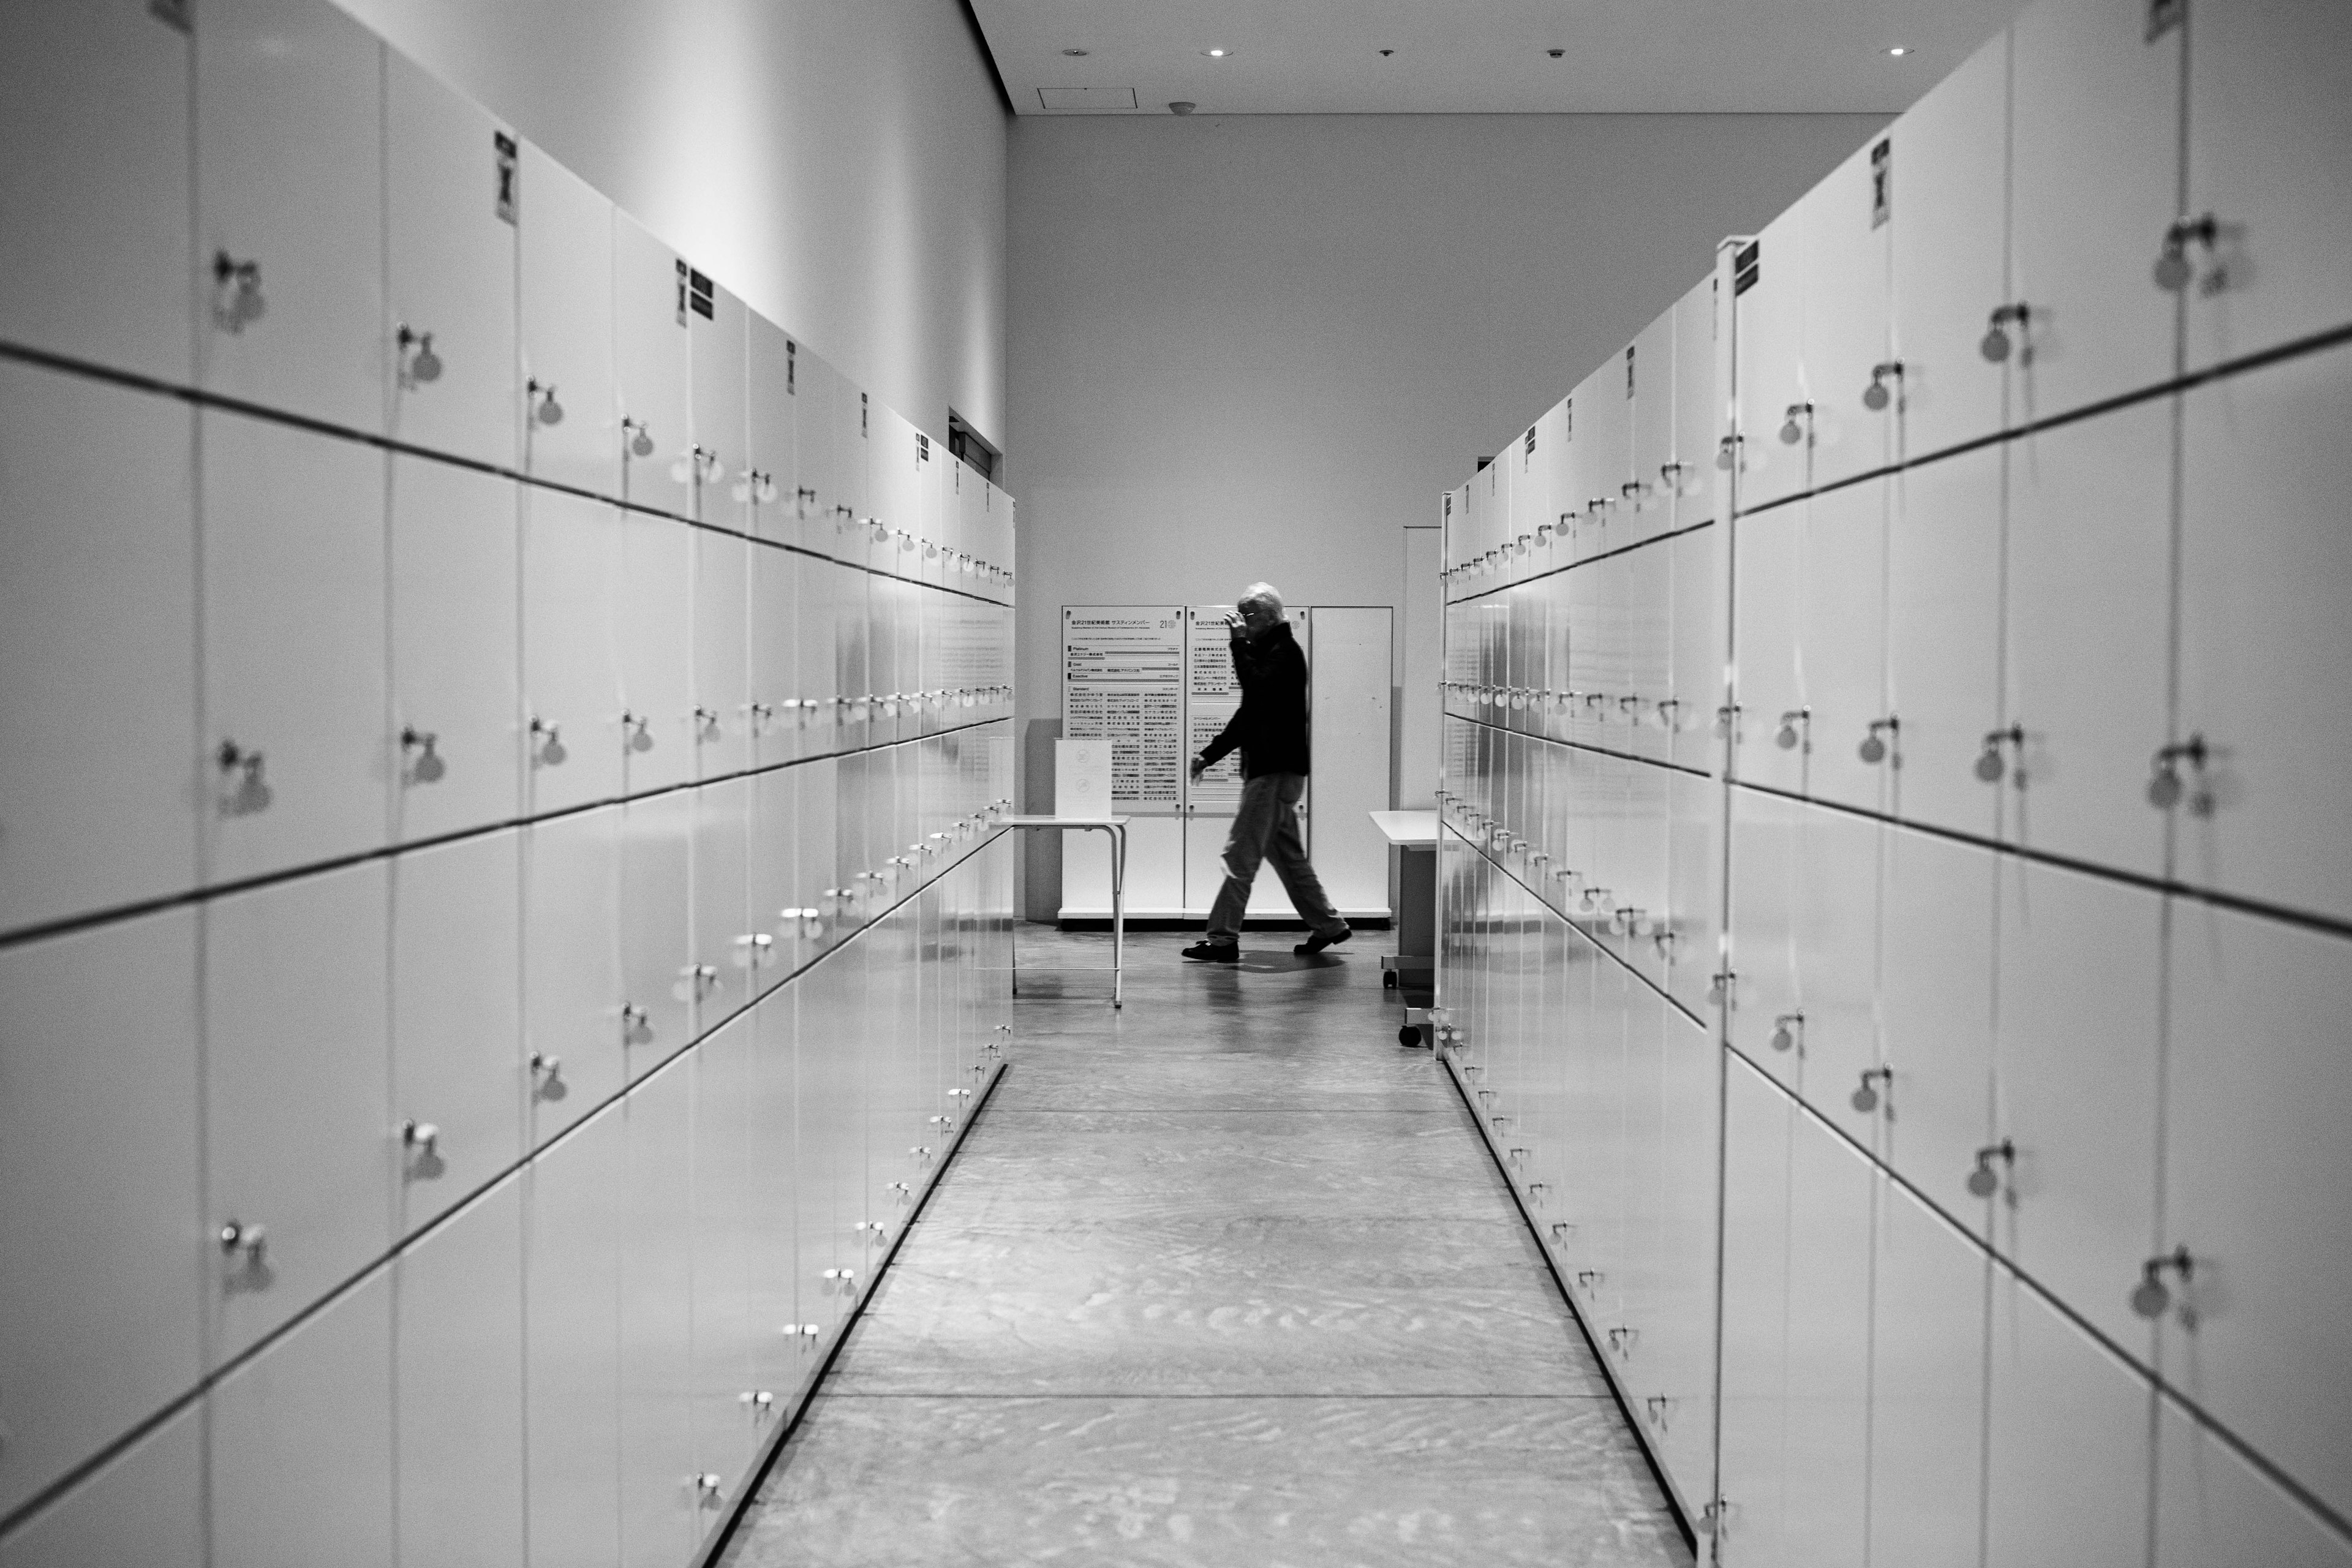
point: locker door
(95, 813)
(2094, 181)
(815, 826)
(1842, 629)
(2270, 118)
(1834, 927)
(728, 1415)
(651, 384)
(2214, 1509)
(456, 697)
(1766, 1018)
(564, 258)
(298, 1138)
(1848, 221)
(290, 186)
(1640, 875)
(96, 258)
(719, 388)
(814, 669)
(1649, 490)
(1771, 391)
(1690, 928)
(1951, 155)
(1752, 1527)
(1944, 542)
(853, 466)
(98, 1142)
(2067, 1440)
(1678, 1344)
(458, 1317)
(450, 173)
(2258, 1185)
(456, 973)
(829, 1127)
(311, 1418)
(1605, 436)
(769, 473)
(659, 984)
(2076, 1065)
(1649, 628)
(814, 387)
(1641, 1139)
(2090, 512)
(855, 605)
(293, 646)
(660, 1506)
(1775, 711)
(722, 717)
(723, 926)
(1349, 700)
(779, 1355)
(772, 889)
(1698, 410)
(570, 650)
(778, 728)
(884, 680)
(1698, 626)
(576, 1193)
(1829, 1193)
(1928, 1323)
(572, 1029)
(145, 1507)
(652, 623)
(1936, 1003)
(2264, 639)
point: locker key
(251, 792)
(705, 725)
(641, 441)
(544, 408)
(1865, 1097)
(1787, 737)
(804, 502)
(1873, 744)
(1877, 396)
(2164, 790)
(1800, 415)
(2150, 1298)
(548, 1070)
(422, 366)
(236, 292)
(641, 732)
(1982, 1181)
(707, 1488)
(1995, 346)
(428, 767)
(1722, 985)
(2173, 271)
(1787, 1030)
(246, 1247)
(1990, 764)
(905, 541)
(548, 752)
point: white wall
(840, 166)
(1256, 346)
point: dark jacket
(1270, 726)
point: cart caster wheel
(1409, 1035)
(1388, 979)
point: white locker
(660, 982)
(453, 559)
(1936, 1012)
(815, 811)
(780, 1357)
(854, 604)
(1751, 1527)
(661, 1501)
(1943, 638)
(724, 929)
(1846, 224)
(1841, 644)
(651, 380)
(722, 718)
(2258, 1186)
(1690, 933)
(293, 660)
(653, 622)
(1952, 275)
(451, 207)
(2265, 567)
(95, 813)
(717, 330)
(456, 1027)
(2269, 121)
(1603, 444)
(299, 1450)
(1698, 411)
(1771, 396)
(2090, 514)
(1930, 1302)
(893, 500)
(815, 386)
(1830, 1189)
(2066, 1441)
(298, 1138)
(771, 883)
(815, 669)
(289, 210)
(571, 597)
(1679, 1343)
(2214, 1509)
(2094, 181)
(1835, 928)
(573, 1031)
(2077, 1062)
(564, 258)
(1649, 493)
(96, 258)
(1647, 576)
(829, 1143)
(1349, 720)
(457, 1352)
(1699, 623)
(144, 1509)
(780, 727)
(850, 422)
(576, 1193)
(728, 1415)
(1774, 722)
(97, 1146)
(768, 475)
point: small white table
(1116, 827)
(1412, 968)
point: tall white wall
(841, 167)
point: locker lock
(879, 529)
(428, 767)
(1630, 920)
(709, 1487)
(1673, 476)
(752, 485)
(543, 406)
(249, 792)
(705, 725)
(2164, 789)
(1800, 415)
(243, 1242)
(1663, 940)
(637, 1026)
(2151, 1297)
(1995, 345)
(2173, 271)
(548, 751)
(1726, 453)
(1720, 985)
(638, 732)
(423, 364)
(641, 439)
(759, 1401)
(755, 950)
(1983, 1181)
(803, 1332)
(1788, 1031)
(1725, 717)
(907, 540)
(422, 1136)
(236, 292)
(548, 1071)
(1878, 395)
(1588, 1280)
(695, 465)
(1866, 1094)
(1635, 490)
(804, 502)
(1991, 764)
(1594, 898)
(1874, 743)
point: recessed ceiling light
(1217, 54)
(1075, 54)
(1899, 50)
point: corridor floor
(1226, 1278)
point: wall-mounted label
(922, 447)
(1881, 181)
(1746, 267)
(1629, 369)
(1531, 440)
(702, 295)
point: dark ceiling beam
(980, 36)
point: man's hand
(1199, 767)
(1235, 627)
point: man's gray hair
(1264, 594)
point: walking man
(1269, 729)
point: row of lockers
(649, 1297)
(239, 647)
(1889, 1392)
(261, 200)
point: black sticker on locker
(1629, 369)
(702, 295)
(1531, 440)
(792, 368)
(922, 447)
(1746, 267)
(507, 197)
(1881, 181)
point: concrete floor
(1226, 1278)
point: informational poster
(1210, 698)
(1123, 680)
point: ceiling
(1469, 56)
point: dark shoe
(1318, 942)
(1215, 952)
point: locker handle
(236, 292)
(2173, 271)
(428, 767)
(1787, 737)
(541, 395)
(708, 1487)
(1800, 420)
(424, 366)
(2151, 1297)
(1594, 900)
(754, 485)
(1721, 985)
(1877, 394)
(1872, 749)
(1983, 1181)
(1726, 452)
(249, 792)
(641, 439)
(421, 1135)
(636, 1025)
(549, 1070)
(2164, 789)
(1995, 346)
(1788, 1031)
(639, 732)
(1865, 1095)
(548, 752)
(1990, 764)
(251, 1240)
(705, 725)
